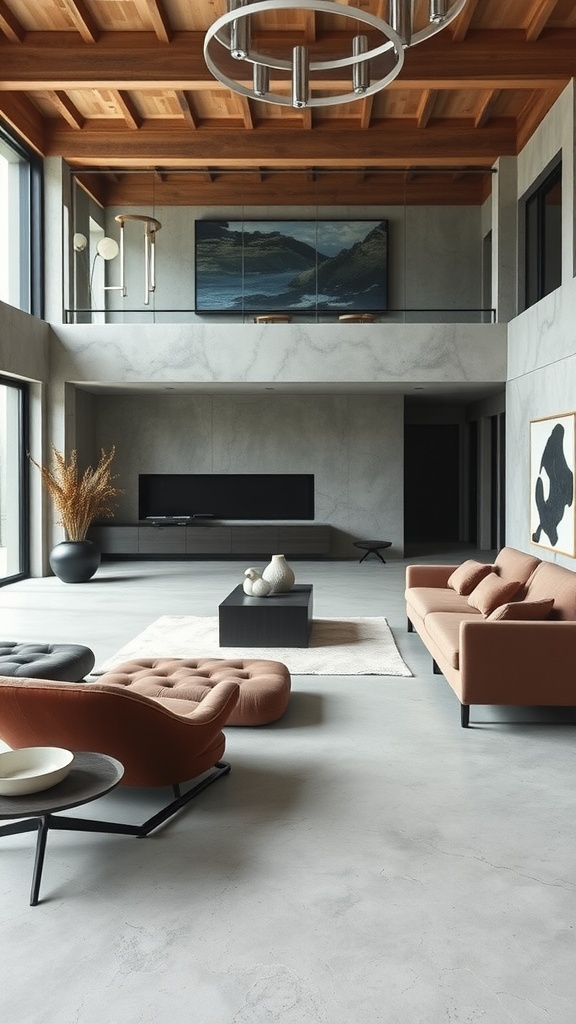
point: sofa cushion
(435, 599)
(444, 629)
(523, 610)
(551, 580)
(511, 564)
(491, 592)
(467, 576)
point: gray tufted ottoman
(68, 663)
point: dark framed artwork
(300, 266)
(552, 468)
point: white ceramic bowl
(32, 769)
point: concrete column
(57, 238)
(504, 239)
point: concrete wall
(353, 444)
(542, 340)
(434, 256)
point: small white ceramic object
(32, 769)
(279, 574)
(250, 577)
(261, 588)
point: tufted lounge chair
(160, 742)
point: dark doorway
(431, 482)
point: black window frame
(33, 249)
(24, 487)
(536, 255)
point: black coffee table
(91, 776)
(280, 620)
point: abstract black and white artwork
(552, 448)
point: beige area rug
(338, 647)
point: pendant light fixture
(374, 56)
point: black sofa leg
(437, 671)
(409, 626)
(464, 715)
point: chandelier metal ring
(393, 42)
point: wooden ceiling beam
(127, 108)
(83, 20)
(539, 15)
(388, 143)
(365, 106)
(462, 23)
(485, 105)
(185, 107)
(156, 14)
(294, 189)
(425, 107)
(68, 110)
(534, 110)
(24, 116)
(10, 26)
(494, 60)
(245, 108)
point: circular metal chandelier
(231, 36)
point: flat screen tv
(226, 496)
(303, 265)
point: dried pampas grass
(80, 500)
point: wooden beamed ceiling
(123, 86)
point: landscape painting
(271, 266)
(552, 466)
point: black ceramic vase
(75, 561)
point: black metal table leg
(43, 826)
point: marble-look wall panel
(24, 344)
(376, 468)
(542, 383)
(548, 391)
(352, 443)
(543, 334)
(280, 353)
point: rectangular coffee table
(281, 620)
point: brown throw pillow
(491, 592)
(518, 610)
(467, 576)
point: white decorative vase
(279, 574)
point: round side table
(372, 547)
(91, 776)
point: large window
(20, 242)
(13, 490)
(543, 237)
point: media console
(212, 540)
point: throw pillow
(518, 610)
(491, 592)
(467, 576)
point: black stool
(374, 546)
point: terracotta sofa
(520, 650)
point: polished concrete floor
(367, 860)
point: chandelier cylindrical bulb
(239, 32)
(400, 17)
(261, 83)
(360, 71)
(300, 77)
(438, 11)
